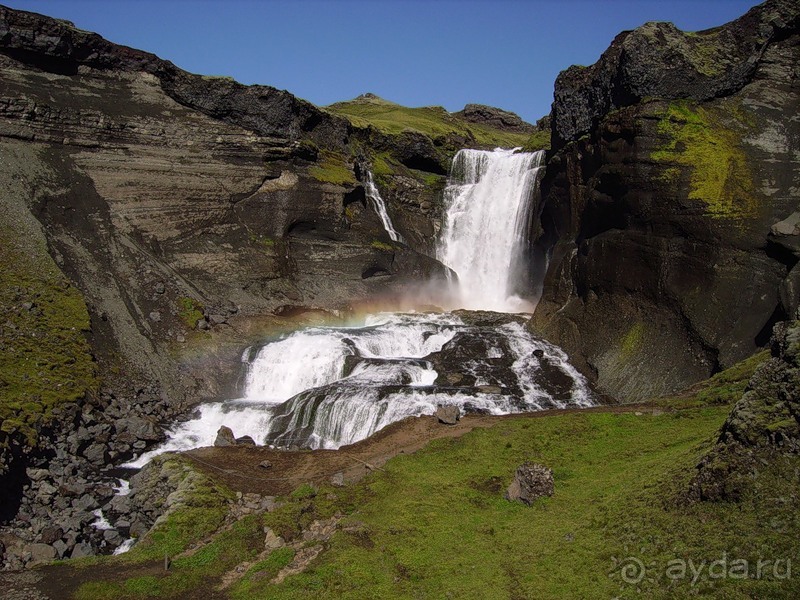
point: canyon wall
(669, 211)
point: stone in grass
(449, 415)
(531, 481)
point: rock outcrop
(763, 427)
(183, 208)
(674, 157)
(531, 481)
(495, 117)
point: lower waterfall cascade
(326, 387)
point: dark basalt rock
(448, 415)
(225, 437)
(531, 481)
(658, 60)
(663, 268)
(495, 117)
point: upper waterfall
(484, 239)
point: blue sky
(505, 53)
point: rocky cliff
(179, 204)
(670, 203)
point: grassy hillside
(433, 121)
(435, 524)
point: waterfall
(375, 199)
(485, 234)
(324, 387)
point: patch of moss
(382, 166)
(728, 386)
(45, 357)
(383, 246)
(720, 174)
(706, 53)
(333, 167)
(263, 241)
(190, 311)
(263, 571)
(632, 340)
(431, 180)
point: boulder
(96, 454)
(81, 550)
(225, 437)
(245, 440)
(449, 415)
(531, 481)
(140, 428)
(38, 474)
(51, 534)
(272, 541)
(41, 553)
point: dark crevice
(356, 195)
(374, 271)
(763, 337)
(781, 253)
(43, 62)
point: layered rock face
(669, 205)
(177, 202)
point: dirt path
(238, 467)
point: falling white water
(124, 546)
(488, 212)
(324, 387)
(375, 199)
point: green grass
(538, 141)
(197, 571)
(334, 168)
(435, 524)
(433, 121)
(264, 570)
(45, 358)
(729, 385)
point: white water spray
(487, 220)
(379, 206)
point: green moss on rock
(190, 311)
(334, 168)
(45, 357)
(720, 176)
